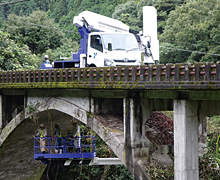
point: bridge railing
(171, 72)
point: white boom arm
(99, 22)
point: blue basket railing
(71, 147)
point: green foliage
(26, 7)
(208, 164)
(164, 7)
(156, 171)
(38, 38)
(59, 10)
(64, 50)
(131, 12)
(15, 56)
(192, 26)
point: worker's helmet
(46, 56)
(57, 124)
(41, 125)
(73, 121)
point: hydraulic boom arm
(93, 21)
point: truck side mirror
(110, 46)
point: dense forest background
(187, 29)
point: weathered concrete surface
(203, 137)
(16, 153)
(11, 126)
(186, 140)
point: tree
(131, 13)
(64, 50)
(163, 10)
(36, 31)
(59, 10)
(26, 7)
(192, 27)
(15, 56)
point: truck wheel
(92, 65)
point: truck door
(95, 51)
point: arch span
(81, 111)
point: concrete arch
(114, 139)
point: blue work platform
(70, 148)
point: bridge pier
(186, 140)
(136, 111)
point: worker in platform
(47, 59)
(42, 132)
(58, 137)
(76, 133)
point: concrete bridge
(190, 90)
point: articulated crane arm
(93, 21)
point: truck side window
(96, 43)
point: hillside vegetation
(187, 30)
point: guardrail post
(150, 72)
(97, 73)
(39, 75)
(7, 77)
(19, 77)
(134, 73)
(118, 73)
(168, 71)
(3, 77)
(158, 72)
(177, 72)
(126, 74)
(16, 77)
(187, 71)
(141, 73)
(23, 76)
(90, 75)
(78, 74)
(111, 74)
(197, 71)
(72, 74)
(207, 71)
(49, 75)
(28, 76)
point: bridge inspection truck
(109, 42)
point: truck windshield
(120, 42)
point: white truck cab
(112, 49)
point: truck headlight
(108, 62)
